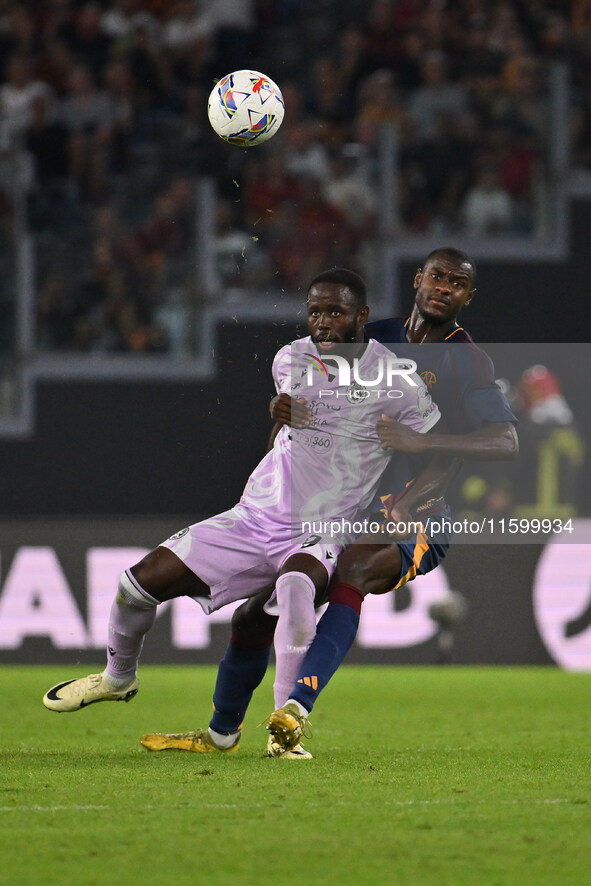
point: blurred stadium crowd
(103, 103)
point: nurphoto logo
(387, 368)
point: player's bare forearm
(494, 442)
(432, 482)
(288, 411)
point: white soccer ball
(245, 108)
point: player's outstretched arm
(494, 441)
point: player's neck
(421, 331)
(359, 348)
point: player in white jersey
(329, 470)
(335, 462)
(324, 470)
(443, 287)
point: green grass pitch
(420, 777)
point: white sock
(295, 630)
(304, 712)
(132, 615)
(223, 741)
(116, 682)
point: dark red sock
(347, 595)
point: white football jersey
(331, 470)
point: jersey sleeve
(487, 404)
(416, 409)
(388, 331)
(482, 399)
(282, 370)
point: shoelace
(80, 687)
(303, 723)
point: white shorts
(237, 558)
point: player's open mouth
(325, 345)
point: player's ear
(471, 295)
(418, 278)
(363, 315)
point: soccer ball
(245, 108)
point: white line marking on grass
(454, 800)
(450, 801)
(36, 808)
(91, 808)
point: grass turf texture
(426, 776)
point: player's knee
(370, 571)
(164, 576)
(130, 593)
(354, 571)
(250, 622)
(243, 620)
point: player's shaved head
(457, 256)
